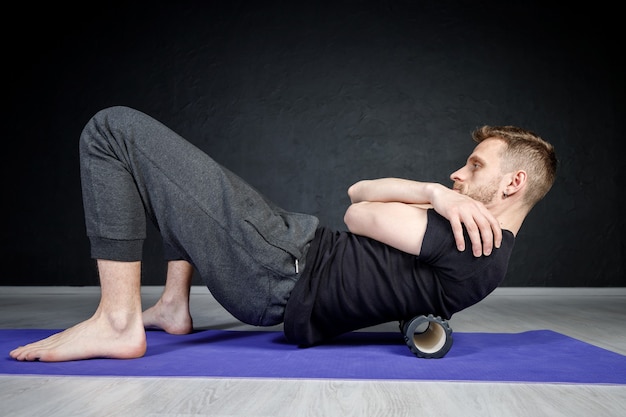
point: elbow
(354, 217)
(348, 217)
(354, 192)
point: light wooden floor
(597, 316)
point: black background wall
(303, 99)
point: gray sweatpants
(243, 246)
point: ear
(517, 182)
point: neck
(512, 224)
(510, 216)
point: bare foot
(174, 318)
(92, 338)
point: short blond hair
(527, 151)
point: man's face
(481, 177)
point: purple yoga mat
(534, 356)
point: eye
(475, 166)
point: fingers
(482, 229)
(497, 231)
(481, 242)
(480, 235)
(457, 230)
(490, 227)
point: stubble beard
(484, 194)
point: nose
(456, 175)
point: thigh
(179, 183)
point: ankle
(173, 302)
(122, 322)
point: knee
(113, 115)
(105, 121)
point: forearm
(399, 225)
(394, 190)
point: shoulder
(439, 247)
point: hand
(482, 227)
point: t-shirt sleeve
(439, 250)
(438, 238)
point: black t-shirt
(351, 281)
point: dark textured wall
(304, 100)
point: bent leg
(242, 245)
(114, 331)
(171, 312)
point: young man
(404, 255)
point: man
(404, 254)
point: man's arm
(482, 227)
(399, 225)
